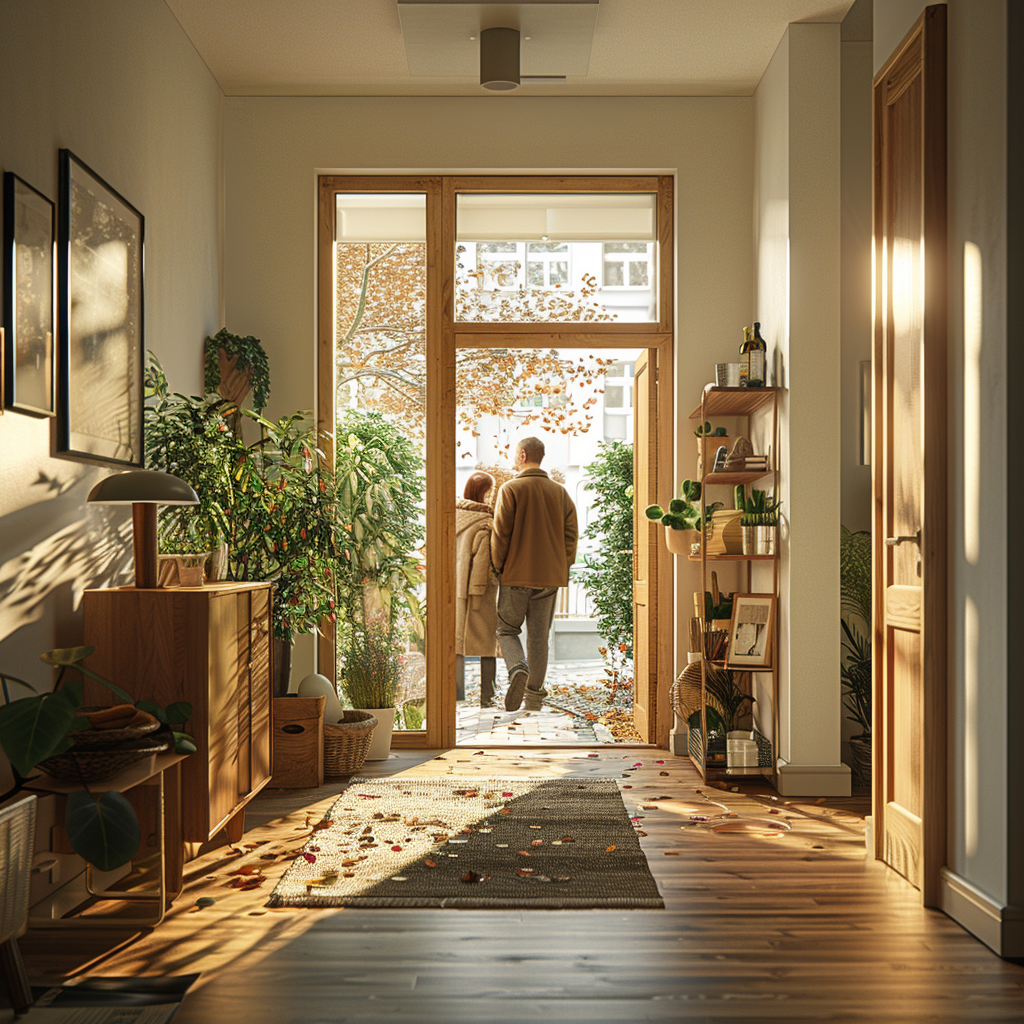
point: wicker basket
(94, 765)
(109, 737)
(346, 743)
(17, 834)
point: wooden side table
(162, 772)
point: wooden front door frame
(444, 337)
(921, 59)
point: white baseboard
(999, 926)
(813, 779)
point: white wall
(118, 83)
(797, 300)
(273, 148)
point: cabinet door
(225, 666)
(259, 688)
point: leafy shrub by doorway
(607, 574)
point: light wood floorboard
(797, 928)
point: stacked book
(747, 464)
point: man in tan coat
(532, 547)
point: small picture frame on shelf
(750, 631)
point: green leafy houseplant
(607, 571)
(282, 523)
(246, 356)
(379, 478)
(102, 828)
(189, 437)
(682, 513)
(855, 666)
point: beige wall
(274, 147)
(797, 299)
(118, 83)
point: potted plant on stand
(760, 521)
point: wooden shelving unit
(744, 403)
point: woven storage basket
(92, 765)
(17, 833)
(346, 743)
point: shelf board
(730, 479)
(734, 558)
(733, 401)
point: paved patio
(580, 709)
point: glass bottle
(755, 350)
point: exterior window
(628, 264)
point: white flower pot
(380, 745)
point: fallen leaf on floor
(610, 849)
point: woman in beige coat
(476, 586)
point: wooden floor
(796, 928)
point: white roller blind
(388, 217)
(602, 217)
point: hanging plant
(243, 357)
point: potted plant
(370, 673)
(682, 517)
(855, 667)
(282, 527)
(38, 728)
(189, 437)
(759, 520)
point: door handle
(894, 542)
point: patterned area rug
(522, 843)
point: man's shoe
(534, 699)
(516, 689)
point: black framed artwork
(100, 275)
(29, 286)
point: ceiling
(356, 47)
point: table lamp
(144, 489)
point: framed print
(750, 632)
(100, 241)
(29, 285)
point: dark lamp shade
(143, 486)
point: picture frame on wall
(29, 292)
(100, 285)
(750, 632)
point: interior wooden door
(910, 455)
(645, 540)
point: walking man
(533, 546)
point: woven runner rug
(515, 843)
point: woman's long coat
(476, 583)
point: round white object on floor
(316, 685)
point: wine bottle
(755, 350)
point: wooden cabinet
(209, 646)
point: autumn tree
(381, 357)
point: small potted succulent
(759, 521)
